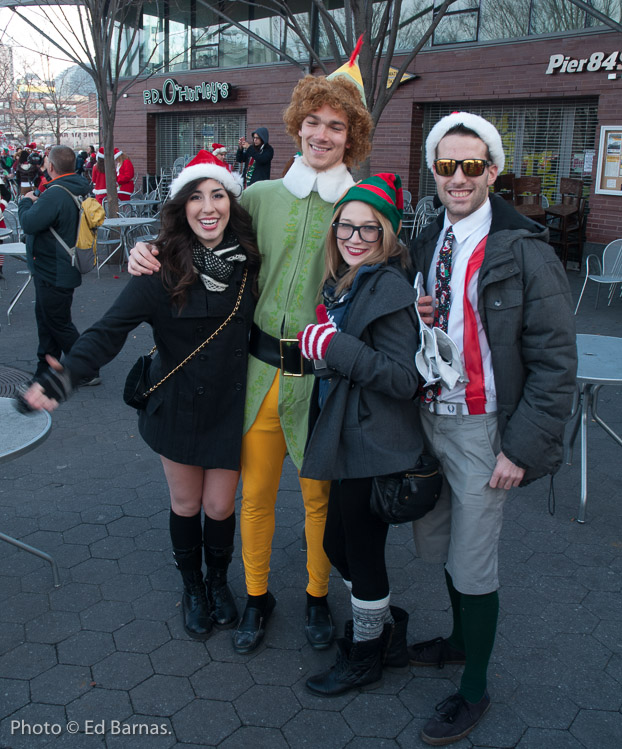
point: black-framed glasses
(470, 167)
(367, 233)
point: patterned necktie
(442, 290)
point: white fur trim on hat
(231, 181)
(484, 129)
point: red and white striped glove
(314, 339)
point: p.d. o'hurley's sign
(171, 92)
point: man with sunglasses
(500, 292)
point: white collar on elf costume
(330, 185)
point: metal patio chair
(607, 271)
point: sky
(15, 32)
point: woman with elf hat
(364, 421)
(193, 420)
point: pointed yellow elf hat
(351, 70)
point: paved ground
(106, 653)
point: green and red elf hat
(383, 192)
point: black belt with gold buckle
(282, 353)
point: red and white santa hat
(117, 152)
(485, 130)
(206, 166)
(100, 152)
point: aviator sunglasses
(470, 167)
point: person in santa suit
(98, 176)
(220, 152)
(125, 174)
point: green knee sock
(455, 639)
(479, 625)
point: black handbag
(408, 495)
(137, 391)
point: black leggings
(354, 539)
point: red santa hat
(206, 166)
(100, 152)
(31, 146)
(117, 152)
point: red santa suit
(125, 177)
(98, 176)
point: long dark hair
(176, 238)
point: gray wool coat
(527, 312)
(369, 424)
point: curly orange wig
(312, 93)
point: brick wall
(497, 72)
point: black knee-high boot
(187, 552)
(218, 542)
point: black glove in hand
(55, 385)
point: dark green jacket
(47, 258)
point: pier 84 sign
(172, 92)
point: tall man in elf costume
(330, 124)
(503, 297)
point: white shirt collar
(301, 180)
(471, 223)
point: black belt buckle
(283, 351)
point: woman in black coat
(193, 420)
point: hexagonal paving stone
(13, 695)
(544, 707)
(258, 738)
(597, 729)
(205, 722)
(113, 547)
(180, 658)
(141, 636)
(61, 684)
(85, 648)
(376, 715)
(11, 635)
(221, 681)
(267, 706)
(100, 704)
(107, 616)
(85, 533)
(52, 627)
(74, 596)
(94, 571)
(22, 607)
(122, 670)
(157, 605)
(331, 731)
(162, 695)
(273, 666)
(123, 587)
(27, 661)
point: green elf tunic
(291, 217)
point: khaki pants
(263, 453)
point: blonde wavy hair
(312, 93)
(390, 246)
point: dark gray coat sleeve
(549, 356)
(389, 367)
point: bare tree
(7, 86)
(25, 108)
(380, 23)
(103, 41)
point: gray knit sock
(369, 618)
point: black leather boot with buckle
(195, 609)
(224, 612)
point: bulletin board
(609, 170)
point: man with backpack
(54, 275)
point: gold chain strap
(205, 342)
